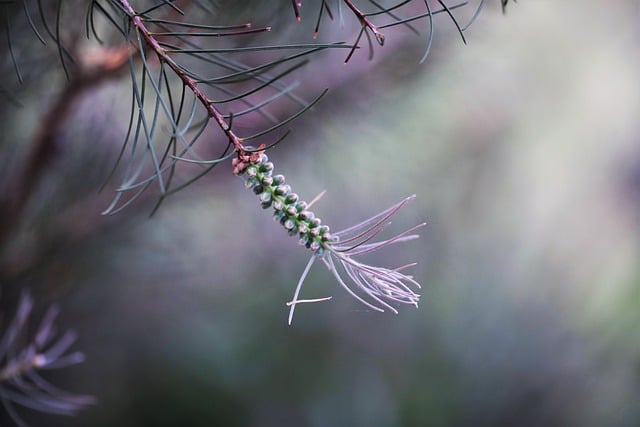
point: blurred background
(523, 149)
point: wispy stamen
(378, 288)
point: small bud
(267, 180)
(278, 180)
(252, 171)
(265, 197)
(266, 167)
(306, 216)
(278, 205)
(291, 198)
(291, 211)
(251, 182)
(282, 190)
(258, 189)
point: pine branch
(24, 357)
(163, 55)
(166, 47)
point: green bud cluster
(288, 209)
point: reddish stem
(188, 81)
(366, 22)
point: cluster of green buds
(291, 212)
(379, 288)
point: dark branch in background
(89, 71)
(107, 65)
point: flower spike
(376, 287)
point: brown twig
(163, 55)
(366, 23)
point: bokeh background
(523, 148)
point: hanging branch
(168, 49)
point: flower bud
(306, 216)
(265, 197)
(282, 190)
(291, 198)
(289, 224)
(251, 182)
(291, 211)
(266, 167)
